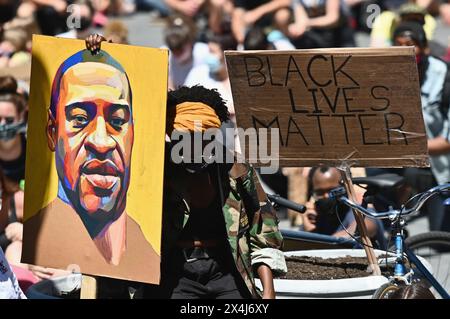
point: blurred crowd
(197, 32)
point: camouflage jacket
(251, 225)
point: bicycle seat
(380, 181)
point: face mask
(213, 63)
(9, 131)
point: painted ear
(51, 132)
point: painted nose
(99, 141)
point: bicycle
(403, 276)
(377, 187)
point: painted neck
(111, 242)
(110, 239)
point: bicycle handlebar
(287, 203)
(340, 195)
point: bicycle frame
(319, 238)
(400, 270)
(424, 271)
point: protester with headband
(219, 230)
(12, 165)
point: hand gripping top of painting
(90, 129)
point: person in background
(83, 23)
(12, 167)
(320, 24)
(433, 75)
(385, 24)
(9, 286)
(189, 8)
(414, 291)
(50, 15)
(262, 13)
(12, 174)
(257, 39)
(13, 48)
(326, 216)
(185, 52)
(116, 31)
(444, 11)
(220, 12)
(213, 74)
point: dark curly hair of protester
(198, 93)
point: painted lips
(103, 175)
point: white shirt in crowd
(178, 72)
(9, 286)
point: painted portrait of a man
(91, 129)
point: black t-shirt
(205, 223)
(209, 223)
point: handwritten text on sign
(333, 105)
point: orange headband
(195, 117)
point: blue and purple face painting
(91, 130)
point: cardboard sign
(354, 105)
(95, 158)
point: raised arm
(330, 18)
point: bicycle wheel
(385, 291)
(434, 247)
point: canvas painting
(95, 157)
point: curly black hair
(198, 93)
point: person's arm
(14, 231)
(58, 5)
(254, 15)
(330, 18)
(301, 21)
(351, 3)
(431, 6)
(344, 233)
(438, 99)
(187, 7)
(438, 146)
(266, 277)
(266, 240)
(371, 227)
(444, 10)
(238, 24)
(217, 10)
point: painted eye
(117, 122)
(80, 120)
